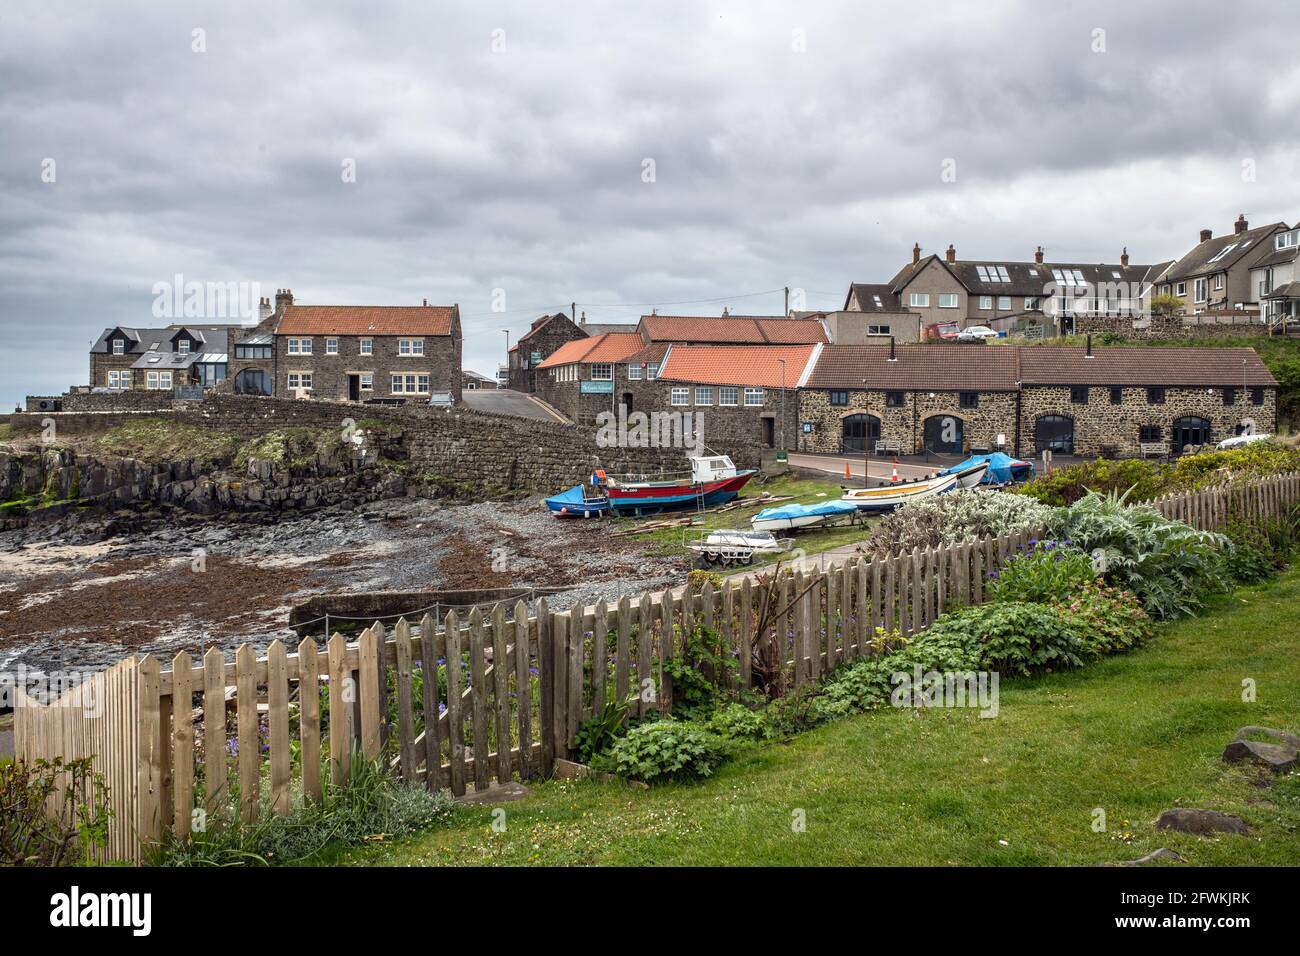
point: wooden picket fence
(509, 688)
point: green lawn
(672, 541)
(1133, 735)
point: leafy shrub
(957, 516)
(1044, 572)
(699, 671)
(29, 834)
(1010, 638)
(596, 734)
(1247, 557)
(1169, 565)
(372, 803)
(797, 711)
(1256, 460)
(1108, 619)
(857, 687)
(1065, 486)
(667, 749)
(735, 721)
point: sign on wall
(597, 388)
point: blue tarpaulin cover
(802, 511)
(1002, 468)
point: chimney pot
(1206, 235)
(1123, 257)
(916, 253)
(726, 310)
(283, 297)
(951, 254)
(426, 301)
(1241, 225)
(1038, 255)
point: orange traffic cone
(847, 476)
(894, 476)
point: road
(880, 467)
(503, 401)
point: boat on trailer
(713, 480)
(792, 517)
(737, 546)
(889, 497)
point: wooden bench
(1159, 449)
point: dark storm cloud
(521, 169)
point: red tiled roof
(366, 320)
(975, 368)
(737, 329)
(1059, 365)
(754, 365)
(609, 347)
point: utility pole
(510, 369)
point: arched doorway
(857, 431)
(1054, 432)
(252, 381)
(945, 434)
(1190, 430)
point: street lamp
(781, 362)
(510, 369)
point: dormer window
(182, 346)
(119, 346)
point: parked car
(976, 333)
(1239, 440)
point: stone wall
(1101, 424)
(995, 413)
(1166, 328)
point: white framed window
(182, 346)
(1199, 293)
(119, 378)
(602, 372)
(947, 300)
(296, 380)
(367, 346)
(986, 302)
(651, 371)
(633, 372)
(299, 347)
(1180, 289)
(755, 396)
(1031, 303)
(119, 346)
(1004, 302)
(703, 395)
(331, 346)
(367, 381)
(681, 395)
(158, 380)
(919, 300)
(1218, 282)
(409, 383)
(410, 346)
(728, 395)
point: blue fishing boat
(578, 502)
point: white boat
(888, 497)
(972, 476)
(736, 546)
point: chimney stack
(1206, 235)
(426, 302)
(1123, 257)
(916, 253)
(264, 310)
(726, 311)
(583, 320)
(1038, 255)
(951, 254)
(1240, 225)
(892, 356)
(283, 297)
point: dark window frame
(1155, 395)
(1230, 396)
(1117, 395)
(1257, 395)
(1145, 433)
(1079, 394)
(895, 399)
(839, 397)
(968, 399)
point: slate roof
(537, 326)
(733, 329)
(366, 320)
(1197, 261)
(1022, 278)
(753, 365)
(1063, 365)
(1288, 290)
(946, 367)
(212, 336)
(875, 297)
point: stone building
(160, 359)
(396, 354)
(546, 335)
(587, 376)
(1024, 399)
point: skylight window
(879, 304)
(993, 273)
(1224, 251)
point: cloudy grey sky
(501, 146)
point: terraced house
(395, 354)
(1215, 275)
(1116, 402)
